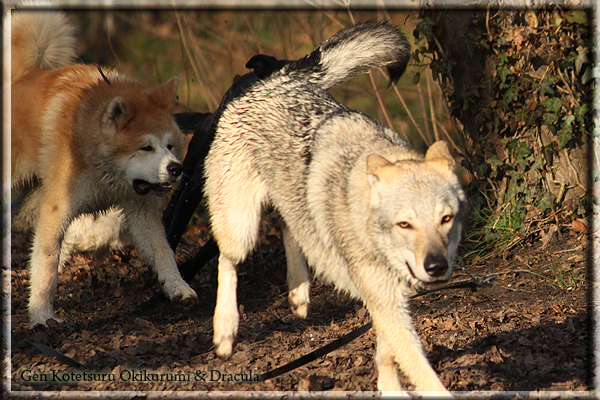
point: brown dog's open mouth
(144, 187)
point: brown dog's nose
(174, 168)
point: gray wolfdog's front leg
(149, 238)
(387, 379)
(397, 337)
(403, 345)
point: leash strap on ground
(320, 352)
(42, 348)
(347, 338)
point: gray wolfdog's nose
(174, 168)
(435, 266)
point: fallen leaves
(535, 337)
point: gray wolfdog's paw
(181, 293)
(299, 299)
(224, 346)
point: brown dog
(84, 140)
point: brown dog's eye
(147, 148)
(404, 225)
(446, 219)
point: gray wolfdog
(365, 211)
(83, 141)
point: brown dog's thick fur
(83, 141)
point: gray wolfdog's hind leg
(298, 276)
(235, 199)
(236, 231)
(226, 318)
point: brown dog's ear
(118, 112)
(165, 95)
(438, 154)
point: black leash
(102, 74)
(320, 352)
(42, 348)
(472, 284)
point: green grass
(564, 276)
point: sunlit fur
(82, 144)
(367, 213)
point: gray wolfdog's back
(280, 116)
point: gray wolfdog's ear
(438, 154)
(165, 95)
(376, 166)
(380, 171)
(118, 113)
(375, 163)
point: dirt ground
(527, 331)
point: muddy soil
(527, 331)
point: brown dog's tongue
(141, 186)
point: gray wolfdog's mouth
(423, 284)
(411, 271)
(143, 187)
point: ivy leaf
(545, 202)
(503, 58)
(512, 94)
(582, 58)
(550, 119)
(503, 73)
(581, 113)
(566, 133)
(545, 87)
(587, 75)
(578, 17)
(494, 160)
(552, 105)
(568, 119)
(523, 150)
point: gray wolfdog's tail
(40, 39)
(354, 51)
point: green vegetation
(518, 82)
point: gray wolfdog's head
(417, 205)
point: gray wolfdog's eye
(446, 219)
(404, 225)
(147, 148)
(170, 146)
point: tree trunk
(518, 83)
